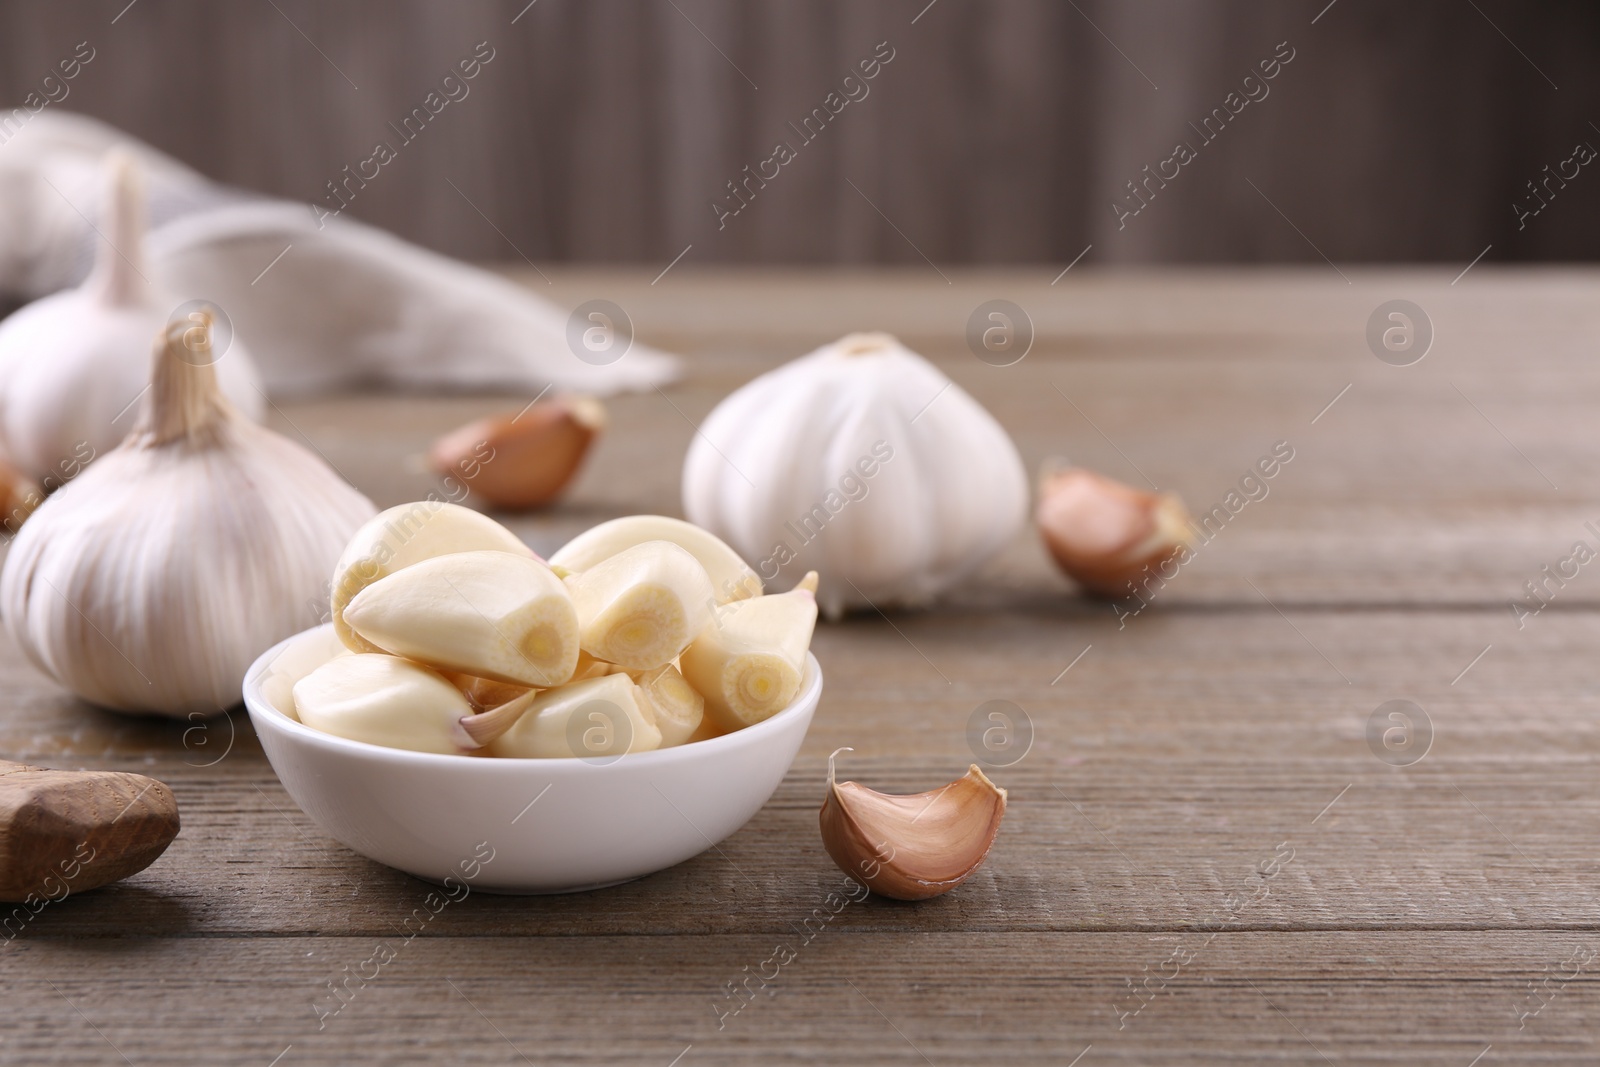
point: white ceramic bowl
(550, 825)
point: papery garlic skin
(731, 577)
(596, 718)
(677, 707)
(496, 615)
(408, 534)
(862, 461)
(73, 364)
(911, 847)
(524, 460)
(1107, 535)
(481, 693)
(384, 700)
(151, 581)
(749, 663)
(641, 608)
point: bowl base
(501, 891)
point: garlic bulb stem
(184, 401)
(117, 277)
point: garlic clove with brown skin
(911, 847)
(18, 497)
(486, 726)
(1104, 534)
(483, 694)
(524, 460)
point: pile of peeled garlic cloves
(644, 632)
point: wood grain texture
(1203, 860)
(1002, 131)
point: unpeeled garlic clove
(523, 460)
(749, 662)
(911, 847)
(485, 726)
(1105, 534)
(678, 709)
(405, 535)
(731, 577)
(599, 717)
(18, 496)
(641, 608)
(384, 700)
(494, 615)
(485, 693)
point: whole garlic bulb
(863, 462)
(151, 581)
(73, 363)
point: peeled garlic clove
(911, 847)
(384, 700)
(678, 709)
(589, 667)
(18, 497)
(484, 693)
(152, 580)
(640, 608)
(731, 578)
(599, 717)
(748, 664)
(405, 535)
(494, 615)
(523, 460)
(1105, 534)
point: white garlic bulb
(151, 581)
(863, 462)
(73, 364)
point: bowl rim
(262, 710)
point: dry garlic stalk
(911, 847)
(641, 608)
(152, 581)
(494, 615)
(1105, 534)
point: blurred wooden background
(1001, 131)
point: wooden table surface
(1204, 861)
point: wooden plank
(1023, 998)
(1162, 772)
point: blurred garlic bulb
(73, 364)
(863, 462)
(151, 581)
